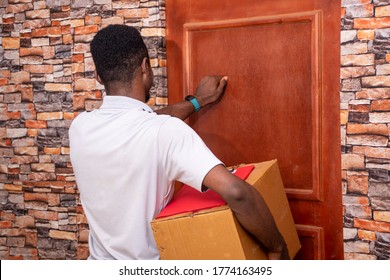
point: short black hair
(118, 51)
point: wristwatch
(194, 102)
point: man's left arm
(209, 90)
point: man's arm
(249, 208)
(209, 90)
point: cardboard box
(215, 233)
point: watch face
(189, 97)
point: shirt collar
(124, 102)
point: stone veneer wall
(46, 79)
(365, 127)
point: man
(126, 157)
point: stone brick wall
(46, 79)
(365, 127)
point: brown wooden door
(282, 98)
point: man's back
(113, 153)
(125, 159)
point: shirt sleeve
(183, 154)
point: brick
(349, 49)
(52, 151)
(378, 129)
(351, 161)
(53, 199)
(38, 14)
(357, 182)
(43, 167)
(36, 23)
(383, 11)
(46, 32)
(41, 176)
(380, 117)
(358, 60)
(388, 57)
(39, 69)
(24, 221)
(20, 77)
(372, 152)
(58, 87)
(32, 151)
(5, 73)
(82, 30)
(366, 235)
(16, 241)
(16, 132)
(351, 85)
(349, 233)
(78, 68)
(112, 20)
(24, 251)
(382, 216)
(366, 35)
(44, 215)
(31, 51)
(377, 81)
(355, 200)
(36, 124)
(371, 23)
(12, 188)
(85, 84)
(23, 142)
(379, 189)
(18, 8)
(5, 224)
(373, 93)
(84, 235)
(10, 43)
(50, 116)
(57, 234)
(35, 196)
(354, 72)
(357, 247)
(82, 252)
(93, 20)
(156, 32)
(360, 11)
(346, 3)
(380, 105)
(39, 42)
(383, 69)
(380, 203)
(78, 58)
(65, 150)
(368, 140)
(3, 81)
(133, 13)
(372, 225)
(363, 212)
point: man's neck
(134, 90)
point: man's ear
(145, 66)
(98, 78)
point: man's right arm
(249, 208)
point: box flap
(190, 200)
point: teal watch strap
(194, 102)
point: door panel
(281, 100)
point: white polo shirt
(125, 159)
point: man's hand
(210, 89)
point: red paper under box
(199, 226)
